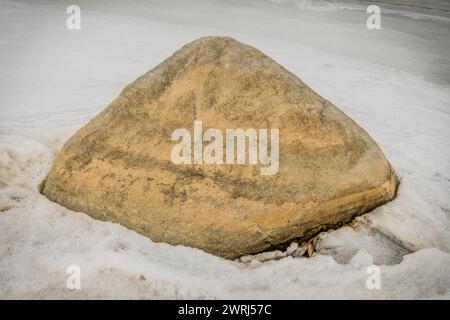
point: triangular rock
(119, 167)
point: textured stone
(118, 166)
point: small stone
(293, 246)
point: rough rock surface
(118, 167)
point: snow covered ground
(395, 82)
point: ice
(394, 82)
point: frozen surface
(395, 82)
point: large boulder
(119, 168)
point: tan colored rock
(118, 167)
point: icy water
(418, 9)
(394, 82)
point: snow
(395, 82)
